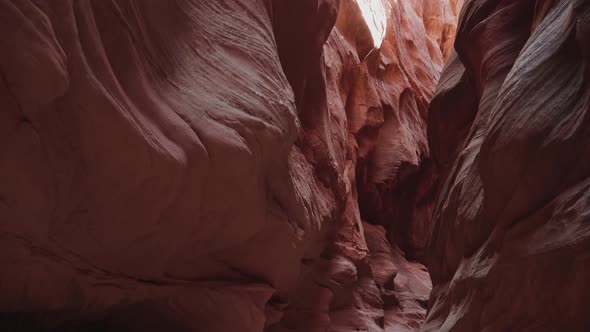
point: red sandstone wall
(198, 165)
(508, 130)
(363, 115)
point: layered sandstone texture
(363, 112)
(193, 165)
(509, 129)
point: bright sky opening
(374, 13)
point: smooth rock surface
(508, 129)
(196, 165)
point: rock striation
(508, 133)
(230, 165)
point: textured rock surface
(145, 163)
(194, 165)
(509, 126)
(363, 115)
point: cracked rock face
(231, 165)
(510, 241)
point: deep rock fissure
(387, 194)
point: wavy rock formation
(231, 165)
(509, 130)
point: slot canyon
(294, 165)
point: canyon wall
(508, 130)
(363, 113)
(231, 165)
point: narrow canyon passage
(362, 102)
(294, 166)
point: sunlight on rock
(374, 13)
